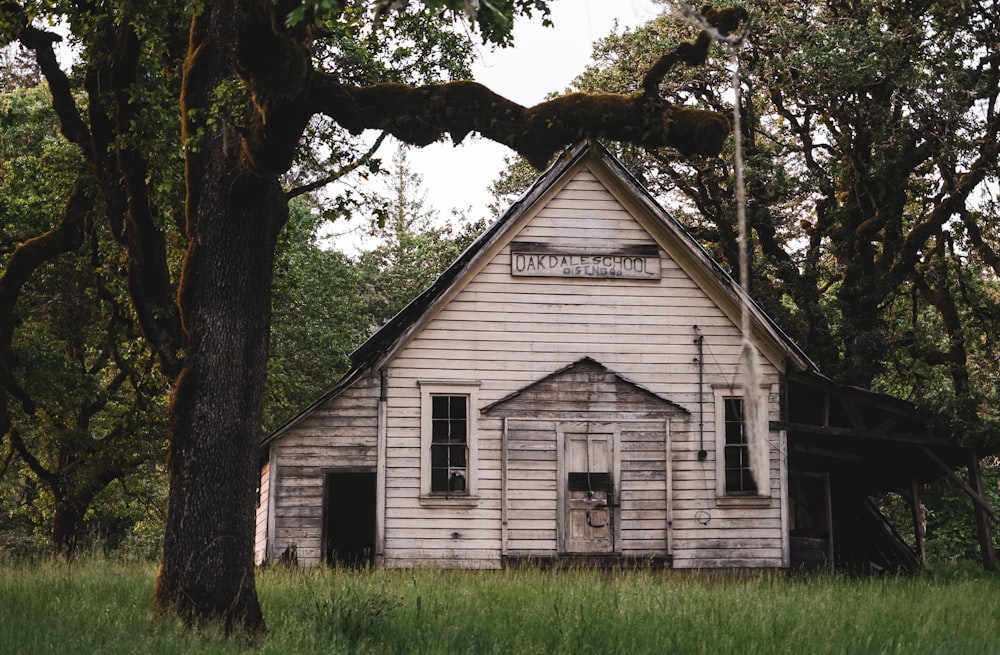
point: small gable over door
(584, 390)
(586, 466)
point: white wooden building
(569, 389)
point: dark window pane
(459, 430)
(458, 407)
(439, 479)
(732, 480)
(457, 456)
(734, 410)
(439, 457)
(440, 429)
(734, 434)
(439, 406)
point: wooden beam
(853, 413)
(832, 431)
(982, 521)
(918, 521)
(977, 497)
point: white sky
(541, 60)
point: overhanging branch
(424, 114)
(421, 115)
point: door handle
(590, 519)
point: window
(736, 456)
(449, 443)
(448, 440)
(734, 473)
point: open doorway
(349, 518)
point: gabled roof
(392, 336)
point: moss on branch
(424, 114)
(287, 91)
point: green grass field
(99, 607)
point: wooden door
(589, 490)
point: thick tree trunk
(207, 569)
(207, 572)
(66, 520)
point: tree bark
(66, 520)
(207, 568)
(233, 217)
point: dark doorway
(349, 518)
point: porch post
(918, 521)
(983, 526)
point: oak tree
(245, 81)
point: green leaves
(494, 20)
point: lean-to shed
(571, 388)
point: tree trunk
(66, 520)
(207, 572)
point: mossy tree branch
(424, 114)
(287, 91)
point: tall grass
(97, 607)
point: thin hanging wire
(753, 407)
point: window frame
(428, 391)
(724, 495)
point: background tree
(414, 245)
(327, 301)
(319, 317)
(91, 405)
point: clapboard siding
(545, 353)
(260, 522)
(532, 488)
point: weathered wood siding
(509, 332)
(644, 473)
(260, 527)
(340, 434)
(532, 492)
(533, 488)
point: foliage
(950, 528)
(415, 246)
(100, 606)
(493, 19)
(327, 303)
(318, 318)
(92, 404)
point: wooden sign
(630, 265)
